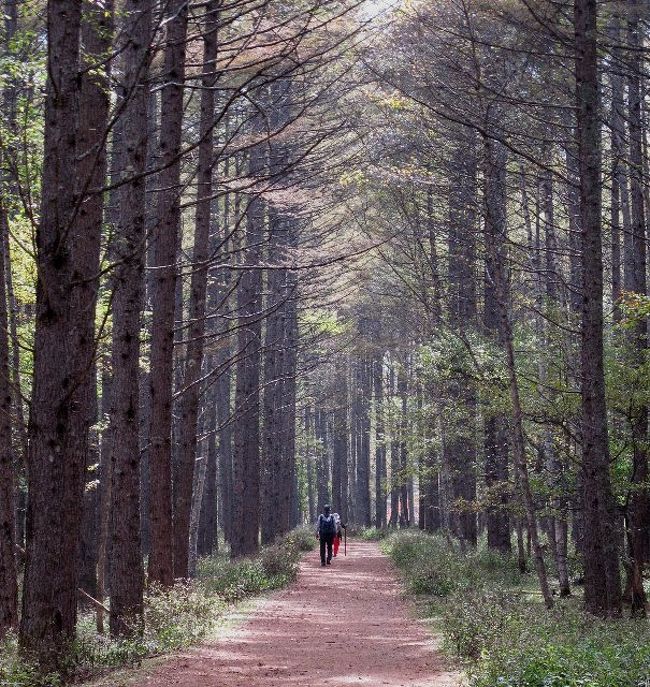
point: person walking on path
(339, 533)
(325, 532)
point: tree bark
(600, 546)
(363, 388)
(126, 573)
(380, 442)
(67, 264)
(495, 175)
(459, 446)
(8, 578)
(638, 509)
(495, 425)
(189, 402)
(207, 536)
(246, 457)
(165, 239)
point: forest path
(336, 626)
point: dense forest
(260, 255)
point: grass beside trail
(186, 614)
(492, 619)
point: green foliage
(516, 643)
(15, 671)
(370, 533)
(432, 567)
(300, 540)
(174, 618)
(504, 635)
(275, 567)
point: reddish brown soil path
(336, 626)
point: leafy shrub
(505, 638)
(435, 568)
(174, 618)
(179, 616)
(300, 541)
(372, 534)
(16, 672)
(275, 567)
(562, 648)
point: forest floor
(346, 624)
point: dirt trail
(336, 626)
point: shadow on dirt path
(336, 626)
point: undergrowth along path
(346, 624)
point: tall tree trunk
(495, 425)
(290, 501)
(8, 528)
(394, 454)
(322, 462)
(165, 239)
(496, 237)
(404, 500)
(8, 579)
(189, 402)
(9, 190)
(279, 361)
(459, 446)
(68, 267)
(364, 391)
(339, 458)
(600, 546)
(96, 36)
(617, 126)
(246, 458)
(380, 443)
(638, 511)
(220, 302)
(208, 541)
(126, 573)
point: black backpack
(327, 524)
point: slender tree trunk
(380, 443)
(8, 579)
(638, 511)
(9, 103)
(126, 571)
(495, 425)
(363, 456)
(617, 126)
(96, 36)
(322, 463)
(189, 402)
(8, 528)
(495, 176)
(460, 446)
(198, 491)
(343, 428)
(246, 458)
(220, 302)
(600, 547)
(208, 541)
(165, 238)
(405, 502)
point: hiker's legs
(330, 539)
(323, 541)
(337, 543)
